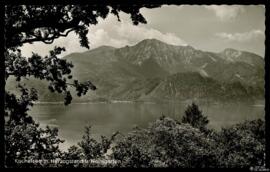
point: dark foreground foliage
(165, 143)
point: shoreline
(256, 103)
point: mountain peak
(151, 41)
(157, 43)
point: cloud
(226, 12)
(127, 34)
(71, 44)
(241, 37)
(107, 32)
(102, 37)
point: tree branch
(66, 34)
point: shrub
(27, 142)
(242, 145)
(165, 143)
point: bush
(90, 149)
(169, 143)
(242, 145)
(27, 142)
(165, 143)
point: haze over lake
(107, 118)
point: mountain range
(152, 70)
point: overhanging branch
(47, 40)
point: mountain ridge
(154, 70)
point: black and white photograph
(134, 86)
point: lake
(107, 118)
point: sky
(208, 28)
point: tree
(27, 142)
(242, 145)
(169, 143)
(166, 143)
(194, 117)
(45, 23)
(73, 153)
(89, 149)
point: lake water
(107, 118)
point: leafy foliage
(16, 108)
(45, 23)
(242, 145)
(50, 68)
(25, 142)
(166, 143)
(89, 149)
